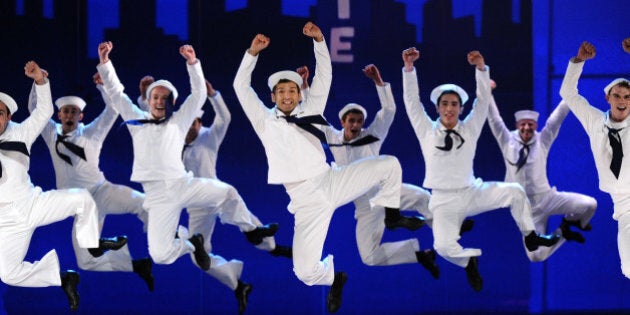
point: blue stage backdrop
(527, 45)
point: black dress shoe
(412, 223)
(565, 228)
(284, 251)
(242, 292)
(69, 282)
(533, 240)
(333, 302)
(108, 243)
(256, 235)
(201, 257)
(427, 259)
(143, 268)
(472, 273)
(467, 226)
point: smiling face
(69, 117)
(619, 100)
(449, 107)
(526, 129)
(352, 122)
(5, 117)
(158, 100)
(286, 95)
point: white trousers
(112, 199)
(19, 220)
(314, 201)
(574, 207)
(165, 200)
(371, 225)
(622, 215)
(451, 206)
(234, 212)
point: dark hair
(284, 81)
(449, 92)
(353, 111)
(624, 84)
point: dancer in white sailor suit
(200, 157)
(291, 134)
(609, 137)
(75, 150)
(24, 207)
(353, 143)
(525, 152)
(158, 137)
(448, 146)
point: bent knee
(447, 249)
(370, 260)
(390, 160)
(160, 257)
(536, 257)
(9, 278)
(306, 275)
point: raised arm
(32, 97)
(479, 111)
(569, 91)
(143, 102)
(549, 133)
(222, 116)
(100, 126)
(48, 133)
(496, 123)
(32, 126)
(113, 88)
(385, 116)
(304, 73)
(185, 116)
(419, 119)
(254, 108)
(318, 93)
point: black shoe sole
(242, 294)
(201, 257)
(333, 302)
(404, 222)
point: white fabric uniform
(545, 200)
(200, 157)
(370, 221)
(159, 168)
(297, 160)
(110, 198)
(24, 207)
(595, 123)
(456, 193)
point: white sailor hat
(285, 74)
(70, 100)
(165, 84)
(435, 94)
(526, 114)
(350, 107)
(613, 83)
(9, 102)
